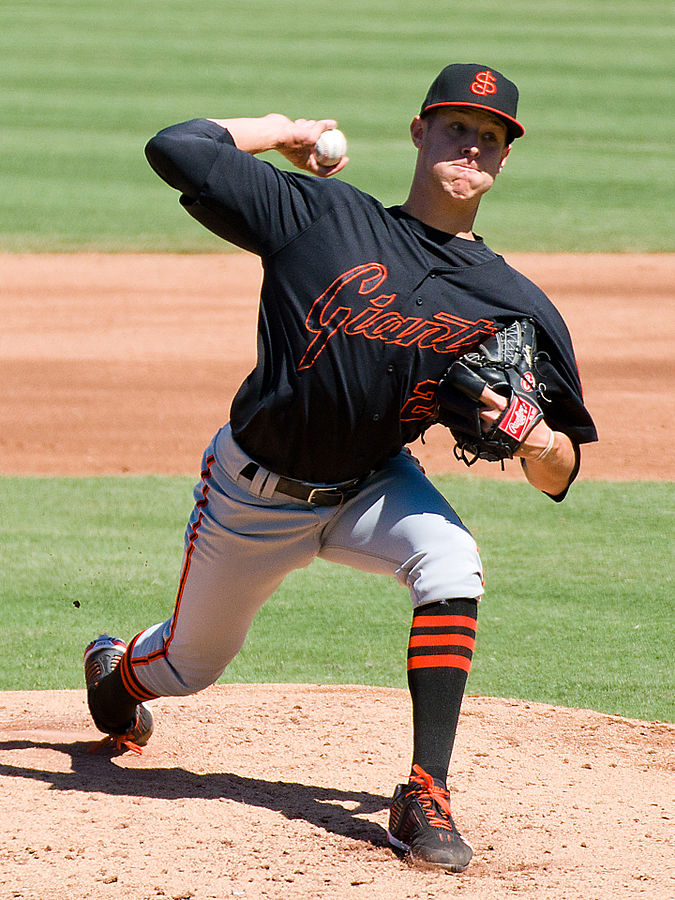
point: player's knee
(194, 673)
(191, 682)
(193, 662)
(450, 567)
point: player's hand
(535, 442)
(552, 474)
(299, 142)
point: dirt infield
(114, 364)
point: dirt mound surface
(281, 791)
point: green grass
(85, 83)
(578, 608)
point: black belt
(318, 495)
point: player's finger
(326, 171)
(488, 418)
(492, 399)
(312, 129)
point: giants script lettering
(337, 310)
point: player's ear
(505, 155)
(417, 128)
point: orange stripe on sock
(442, 640)
(134, 687)
(421, 621)
(441, 661)
(129, 679)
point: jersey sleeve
(240, 198)
(563, 404)
(556, 365)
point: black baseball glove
(505, 362)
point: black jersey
(362, 309)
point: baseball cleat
(102, 657)
(420, 824)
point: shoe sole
(425, 863)
(394, 841)
(104, 642)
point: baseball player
(362, 310)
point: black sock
(112, 707)
(440, 650)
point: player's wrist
(547, 449)
(280, 131)
(541, 444)
(551, 472)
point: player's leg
(401, 525)
(440, 650)
(238, 549)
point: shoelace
(430, 796)
(121, 743)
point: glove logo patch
(527, 382)
(519, 419)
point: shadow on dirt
(332, 809)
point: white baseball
(331, 147)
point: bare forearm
(552, 473)
(295, 140)
(256, 135)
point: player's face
(461, 149)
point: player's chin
(467, 186)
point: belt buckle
(325, 492)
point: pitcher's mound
(281, 791)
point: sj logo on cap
(484, 83)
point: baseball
(331, 147)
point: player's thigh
(237, 553)
(401, 525)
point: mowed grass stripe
(577, 609)
(86, 84)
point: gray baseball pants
(243, 538)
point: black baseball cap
(469, 84)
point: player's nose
(471, 149)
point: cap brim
(515, 129)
